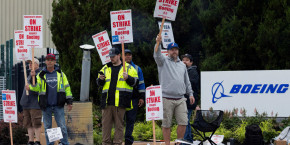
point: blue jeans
(130, 120)
(60, 120)
(188, 134)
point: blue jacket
(139, 90)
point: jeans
(188, 134)
(130, 120)
(60, 120)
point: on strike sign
(167, 34)
(33, 31)
(54, 134)
(103, 45)
(9, 106)
(22, 53)
(121, 26)
(166, 9)
(154, 106)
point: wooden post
(160, 32)
(154, 135)
(11, 136)
(33, 78)
(123, 56)
(25, 76)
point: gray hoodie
(173, 76)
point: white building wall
(11, 18)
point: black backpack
(253, 135)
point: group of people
(123, 92)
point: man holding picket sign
(173, 78)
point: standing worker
(173, 78)
(116, 96)
(137, 100)
(194, 80)
(31, 110)
(53, 92)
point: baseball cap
(188, 56)
(114, 51)
(128, 51)
(50, 56)
(35, 61)
(172, 45)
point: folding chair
(207, 121)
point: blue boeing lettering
(259, 88)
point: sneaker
(37, 143)
(30, 143)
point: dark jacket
(194, 80)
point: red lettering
(121, 17)
(153, 100)
(8, 97)
(21, 36)
(32, 21)
(32, 28)
(19, 42)
(153, 109)
(9, 112)
(152, 92)
(103, 44)
(8, 103)
(172, 2)
(101, 38)
(121, 24)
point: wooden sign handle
(123, 57)
(33, 78)
(25, 76)
(160, 32)
(154, 135)
(11, 136)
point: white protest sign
(9, 106)
(166, 9)
(164, 52)
(154, 106)
(167, 33)
(103, 46)
(22, 53)
(54, 134)
(121, 26)
(33, 31)
(217, 139)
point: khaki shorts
(177, 108)
(32, 118)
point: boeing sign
(265, 90)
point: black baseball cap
(188, 56)
(128, 51)
(114, 51)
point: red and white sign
(154, 106)
(167, 33)
(103, 46)
(33, 31)
(9, 106)
(121, 26)
(164, 52)
(166, 9)
(22, 53)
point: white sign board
(167, 33)
(121, 26)
(33, 31)
(103, 46)
(265, 90)
(154, 106)
(166, 9)
(22, 53)
(9, 106)
(54, 134)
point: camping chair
(207, 121)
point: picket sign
(54, 134)
(166, 10)
(121, 27)
(154, 106)
(103, 45)
(22, 53)
(33, 35)
(9, 109)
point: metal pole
(85, 82)
(11, 63)
(7, 65)
(2, 60)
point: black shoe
(37, 143)
(30, 143)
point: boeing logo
(218, 88)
